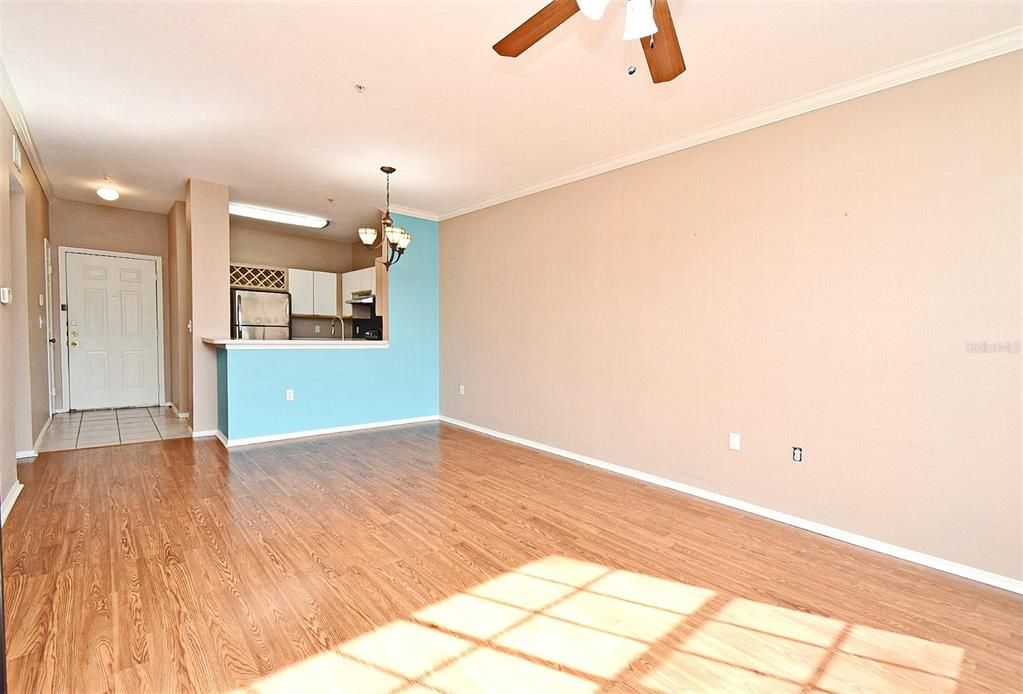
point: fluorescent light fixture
(107, 193)
(280, 216)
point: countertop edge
(311, 343)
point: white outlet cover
(461, 390)
(289, 394)
(734, 441)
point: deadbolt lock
(74, 343)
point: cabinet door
(300, 284)
(366, 280)
(325, 293)
(348, 281)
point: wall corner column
(210, 259)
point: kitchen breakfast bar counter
(300, 343)
(269, 390)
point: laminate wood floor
(429, 558)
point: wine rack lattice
(258, 277)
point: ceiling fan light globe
(593, 9)
(639, 20)
(368, 236)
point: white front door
(112, 331)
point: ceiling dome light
(593, 9)
(107, 193)
(639, 20)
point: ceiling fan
(646, 20)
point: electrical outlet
(461, 390)
(316, 328)
(797, 454)
(289, 395)
(734, 442)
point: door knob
(74, 343)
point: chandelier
(397, 238)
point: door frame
(65, 374)
(51, 351)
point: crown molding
(413, 212)
(9, 97)
(973, 52)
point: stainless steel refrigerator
(259, 315)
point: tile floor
(93, 428)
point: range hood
(363, 296)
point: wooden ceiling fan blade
(549, 18)
(665, 58)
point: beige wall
(252, 244)
(363, 257)
(9, 325)
(23, 438)
(23, 372)
(180, 308)
(210, 252)
(37, 217)
(814, 282)
(105, 228)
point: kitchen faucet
(333, 326)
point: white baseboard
(32, 453)
(42, 432)
(231, 443)
(175, 410)
(9, 500)
(204, 434)
(962, 570)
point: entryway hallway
(93, 428)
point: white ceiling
(261, 96)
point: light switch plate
(6, 295)
(734, 441)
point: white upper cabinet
(300, 284)
(324, 293)
(313, 293)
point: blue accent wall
(344, 387)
